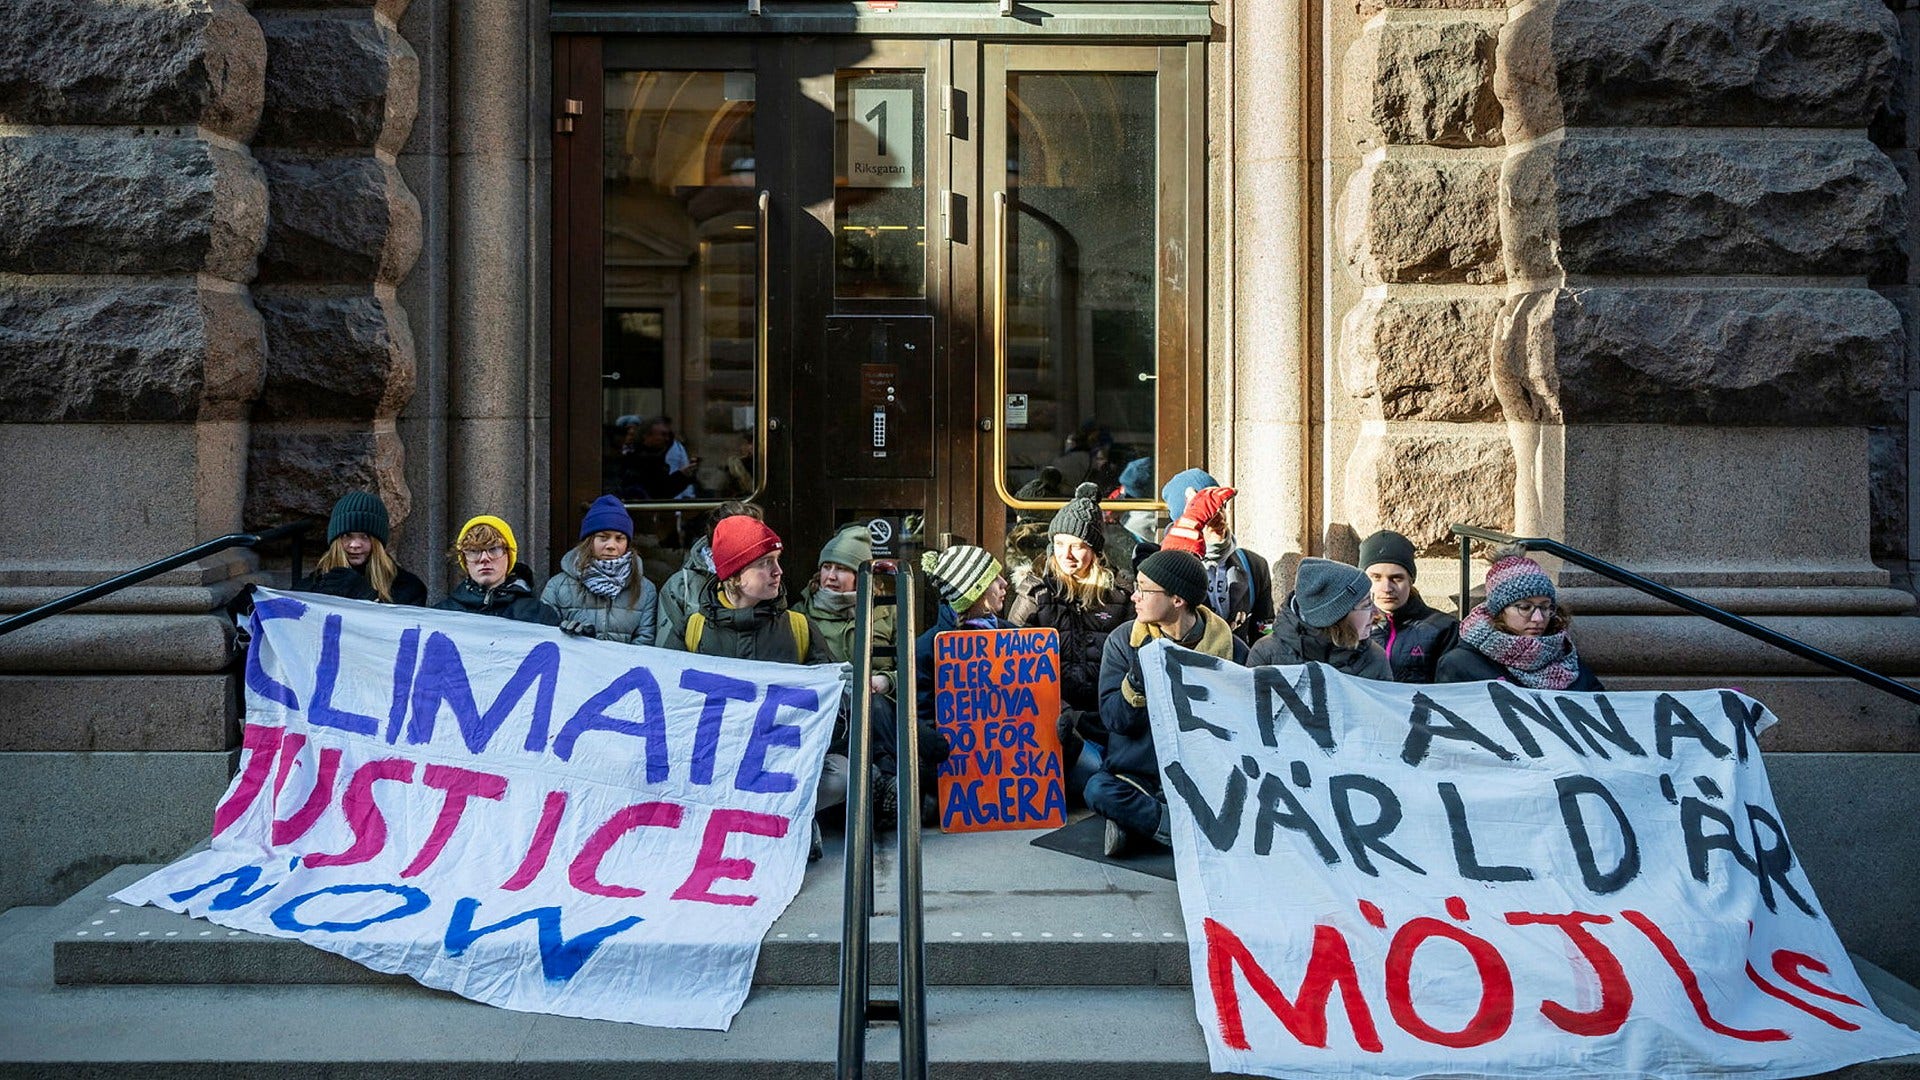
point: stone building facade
(1635, 274)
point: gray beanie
(1387, 546)
(850, 547)
(1080, 518)
(1324, 591)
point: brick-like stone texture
(1367, 8)
(1420, 221)
(337, 82)
(1887, 491)
(339, 219)
(296, 472)
(1756, 356)
(1690, 205)
(1420, 484)
(145, 354)
(392, 9)
(1422, 358)
(103, 204)
(1424, 83)
(1706, 63)
(333, 355)
(111, 62)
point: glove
(1189, 533)
(1136, 678)
(578, 628)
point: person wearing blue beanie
(602, 590)
(1239, 581)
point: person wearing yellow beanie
(493, 579)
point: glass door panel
(681, 294)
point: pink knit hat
(1513, 578)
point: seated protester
(1168, 601)
(973, 592)
(1413, 635)
(680, 596)
(829, 603)
(601, 590)
(743, 614)
(1239, 582)
(356, 564)
(1326, 619)
(494, 581)
(1073, 591)
(1518, 634)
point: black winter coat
(351, 584)
(1042, 601)
(1294, 642)
(1415, 638)
(513, 598)
(1464, 663)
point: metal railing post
(1466, 574)
(913, 945)
(855, 901)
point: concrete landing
(1040, 966)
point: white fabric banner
(1478, 879)
(534, 821)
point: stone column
(1895, 447)
(130, 353)
(1413, 413)
(1692, 357)
(342, 86)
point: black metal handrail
(1469, 533)
(856, 1003)
(290, 530)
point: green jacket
(836, 631)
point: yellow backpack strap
(798, 624)
(696, 625)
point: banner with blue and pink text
(534, 821)
(1389, 880)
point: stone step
(999, 912)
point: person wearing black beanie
(1073, 590)
(356, 564)
(1413, 635)
(1168, 603)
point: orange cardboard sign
(996, 698)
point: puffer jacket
(1123, 706)
(1414, 638)
(513, 598)
(1042, 601)
(351, 584)
(626, 618)
(1294, 642)
(835, 628)
(764, 631)
(680, 596)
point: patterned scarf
(1547, 662)
(608, 577)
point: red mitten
(1188, 534)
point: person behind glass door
(602, 590)
(493, 579)
(1518, 633)
(1169, 602)
(1073, 590)
(356, 564)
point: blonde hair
(1343, 634)
(1089, 591)
(380, 572)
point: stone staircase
(1039, 966)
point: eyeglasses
(1149, 592)
(497, 551)
(1528, 611)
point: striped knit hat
(1515, 578)
(961, 573)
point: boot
(818, 850)
(886, 802)
(1116, 841)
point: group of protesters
(1108, 591)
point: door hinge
(953, 216)
(954, 111)
(569, 110)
